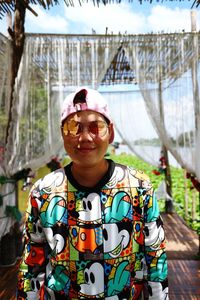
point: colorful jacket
(105, 242)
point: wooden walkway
(184, 268)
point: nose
(85, 135)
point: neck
(91, 175)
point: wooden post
(194, 197)
(17, 37)
(168, 181)
(17, 41)
(186, 197)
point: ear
(111, 133)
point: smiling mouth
(116, 252)
(85, 149)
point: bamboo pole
(17, 35)
(186, 197)
(194, 197)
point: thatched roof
(8, 6)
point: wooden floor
(184, 268)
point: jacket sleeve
(155, 255)
(31, 274)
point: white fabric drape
(50, 67)
(168, 75)
(165, 66)
(8, 193)
(132, 122)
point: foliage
(148, 142)
(181, 188)
(34, 129)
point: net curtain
(132, 123)
(51, 67)
(167, 69)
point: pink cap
(84, 99)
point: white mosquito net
(165, 68)
(168, 75)
(50, 67)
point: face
(85, 146)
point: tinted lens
(72, 128)
(98, 128)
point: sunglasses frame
(83, 126)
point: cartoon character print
(116, 297)
(120, 280)
(138, 230)
(35, 256)
(84, 208)
(36, 232)
(157, 261)
(90, 238)
(117, 177)
(118, 208)
(53, 215)
(94, 281)
(139, 175)
(43, 188)
(56, 237)
(160, 290)
(140, 268)
(23, 286)
(116, 238)
(58, 280)
(37, 287)
(154, 234)
(86, 240)
(52, 182)
(86, 234)
(50, 294)
(90, 210)
(53, 211)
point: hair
(80, 97)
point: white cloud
(169, 20)
(45, 22)
(122, 18)
(117, 18)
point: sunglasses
(95, 129)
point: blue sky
(130, 18)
